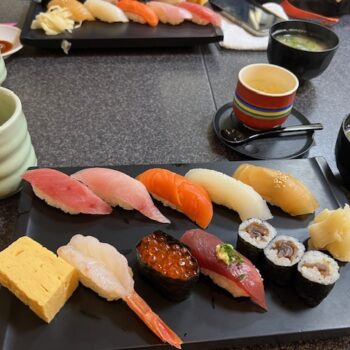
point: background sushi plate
(210, 317)
(120, 35)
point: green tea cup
(16, 150)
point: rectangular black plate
(210, 317)
(120, 35)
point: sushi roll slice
(316, 277)
(168, 264)
(253, 237)
(281, 258)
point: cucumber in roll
(316, 276)
(253, 236)
(281, 258)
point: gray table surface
(150, 106)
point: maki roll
(316, 276)
(253, 237)
(281, 258)
(168, 264)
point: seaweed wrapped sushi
(316, 277)
(168, 264)
(253, 237)
(281, 258)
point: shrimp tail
(152, 320)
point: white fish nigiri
(103, 269)
(169, 13)
(105, 11)
(233, 194)
(117, 188)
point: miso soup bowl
(304, 64)
(264, 96)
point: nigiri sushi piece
(171, 2)
(169, 13)
(61, 191)
(225, 266)
(104, 270)
(233, 194)
(105, 11)
(138, 12)
(278, 188)
(179, 193)
(200, 14)
(79, 12)
(117, 188)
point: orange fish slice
(79, 12)
(138, 12)
(179, 193)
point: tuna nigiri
(179, 193)
(61, 191)
(278, 188)
(227, 191)
(225, 266)
(138, 12)
(105, 11)
(117, 188)
(79, 12)
(169, 13)
(103, 269)
(201, 14)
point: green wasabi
(228, 254)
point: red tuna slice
(243, 276)
(117, 188)
(61, 191)
(201, 14)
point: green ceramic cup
(16, 149)
(3, 71)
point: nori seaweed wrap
(281, 258)
(253, 237)
(316, 276)
(168, 264)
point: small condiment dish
(10, 34)
(304, 63)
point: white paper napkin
(236, 38)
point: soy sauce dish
(9, 40)
(304, 48)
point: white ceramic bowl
(11, 34)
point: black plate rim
(299, 115)
(54, 42)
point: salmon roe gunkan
(169, 257)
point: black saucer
(285, 146)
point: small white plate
(12, 35)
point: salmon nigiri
(117, 188)
(201, 14)
(138, 12)
(179, 193)
(103, 269)
(79, 12)
(61, 191)
(225, 266)
(169, 13)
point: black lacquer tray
(119, 35)
(210, 317)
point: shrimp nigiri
(103, 269)
(179, 193)
(138, 12)
(117, 188)
(200, 14)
